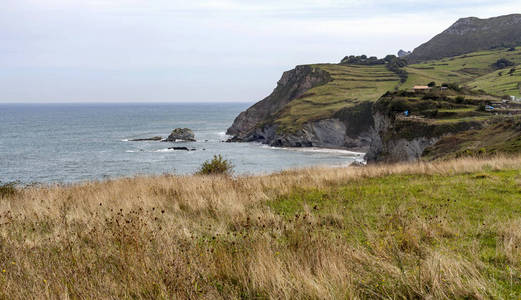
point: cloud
(134, 50)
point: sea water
(65, 143)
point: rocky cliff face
(326, 133)
(396, 137)
(387, 145)
(292, 85)
(347, 128)
(469, 35)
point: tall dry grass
(215, 237)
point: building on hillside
(515, 99)
(421, 88)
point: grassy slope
(503, 135)
(444, 230)
(353, 84)
(505, 84)
(471, 69)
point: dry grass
(221, 237)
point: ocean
(68, 143)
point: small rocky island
(181, 134)
(177, 135)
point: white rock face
(394, 150)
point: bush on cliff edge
(217, 166)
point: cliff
(292, 85)
(410, 126)
(317, 106)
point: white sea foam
(318, 150)
(124, 140)
(164, 150)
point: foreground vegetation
(428, 230)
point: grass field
(506, 84)
(353, 84)
(443, 230)
(474, 70)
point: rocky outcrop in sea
(181, 134)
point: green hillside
(355, 84)
(473, 70)
(351, 85)
(501, 82)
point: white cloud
(165, 48)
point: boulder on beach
(155, 138)
(181, 134)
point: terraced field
(501, 82)
(351, 85)
(474, 70)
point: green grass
(505, 84)
(354, 84)
(351, 85)
(467, 211)
(460, 69)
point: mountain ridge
(469, 35)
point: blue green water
(63, 143)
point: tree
(432, 84)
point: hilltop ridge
(470, 35)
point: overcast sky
(200, 51)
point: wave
(124, 140)
(318, 150)
(154, 151)
(163, 150)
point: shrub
(432, 84)
(460, 99)
(502, 63)
(218, 165)
(454, 87)
(430, 96)
(7, 189)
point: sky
(200, 50)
